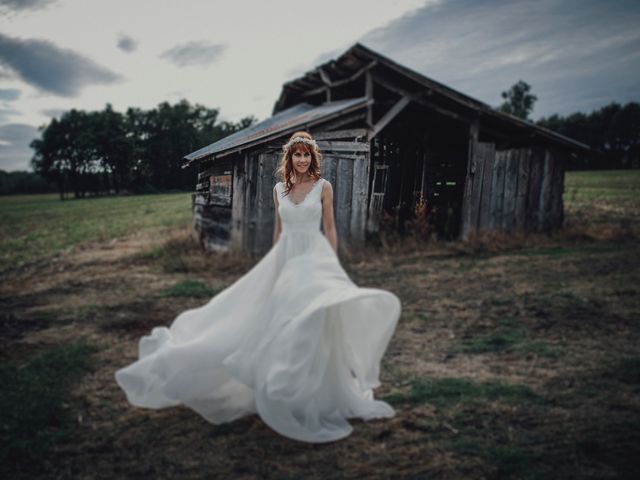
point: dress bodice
(304, 216)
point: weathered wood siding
(347, 204)
(513, 190)
(247, 222)
(211, 216)
(257, 214)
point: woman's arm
(277, 225)
(328, 221)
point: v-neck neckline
(306, 195)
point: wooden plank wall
(466, 224)
(513, 190)
(520, 202)
(237, 234)
(477, 180)
(359, 195)
(211, 223)
(497, 191)
(532, 215)
(259, 211)
(247, 225)
(339, 171)
(551, 206)
(349, 177)
(487, 152)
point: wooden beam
(338, 83)
(324, 76)
(390, 115)
(467, 223)
(348, 133)
(334, 146)
(368, 92)
(420, 99)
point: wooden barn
(395, 145)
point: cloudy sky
(234, 55)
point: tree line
(139, 151)
(613, 131)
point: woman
(293, 340)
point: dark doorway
(418, 167)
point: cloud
(52, 69)
(302, 68)
(127, 43)
(15, 153)
(573, 53)
(194, 53)
(54, 112)
(7, 6)
(9, 94)
(7, 113)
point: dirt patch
(508, 304)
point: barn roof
(295, 109)
(359, 58)
(286, 121)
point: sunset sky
(578, 55)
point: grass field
(35, 227)
(515, 357)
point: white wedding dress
(294, 340)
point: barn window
(220, 188)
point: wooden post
(484, 215)
(510, 187)
(497, 190)
(465, 217)
(521, 192)
(368, 92)
(534, 185)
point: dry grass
(515, 357)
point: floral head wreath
(295, 140)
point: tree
(518, 101)
(613, 130)
(113, 147)
(138, 151)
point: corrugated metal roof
(289, 119)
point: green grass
(191, 288)
(570, 250)
(169, 257)
(34, 227)
(564, 304)
(451, 391)
(34, 409)
(604, 180)
(606, 197)
(540, 348)
(625, 369)
(506, 335)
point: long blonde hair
(285, 169)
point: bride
(294, 340)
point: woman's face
(300, 159)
